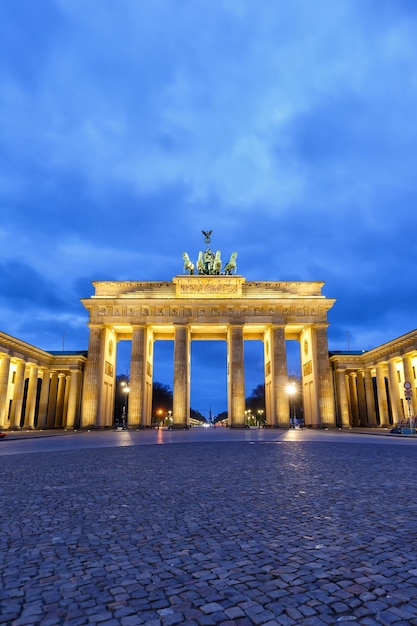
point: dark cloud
(25, 286)
(289, 129)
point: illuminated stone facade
(192, 308)
(371, 387)
(39, 389)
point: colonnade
(97, 409)
(38, 389)
(371, 386)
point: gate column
(236, 377)
(325, 396)
(92, 380)
(181, 399)
(137, 377)
(280, 377)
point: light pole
(125, 389)
(291, 389)
(260, 417)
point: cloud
(287, 128)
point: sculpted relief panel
(265, 313)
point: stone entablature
(201, 286)
(208, 307)
(396, 348)
(165, 313)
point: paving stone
(173, 548)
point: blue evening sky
(289, 128)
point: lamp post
(125, 389)
(159, 413)
(260, 417)
(291, 389)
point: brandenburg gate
(206, 303)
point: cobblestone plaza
(222, 527)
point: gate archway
(194, 307)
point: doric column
(409, 377)
(280, 377)
(137, 377)
(92, 378)
(370, 398)
(74, 399)
(324, 380)
(236, 376)
(60, 401)
(394, 392)
(342, 397)
(18, 391)
(53, 391)
(382, 396)
(353, 394)
(31, 397)
(66, 398)
(43, 402)
(4, 385)
(181, 401)
(360, 384)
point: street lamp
(260, 416)
(291, 389)
(125, 389)
(159, 413)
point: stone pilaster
(92, 379)
(370, 398)
(4, 385)
(181, 402)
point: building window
(399, 376)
